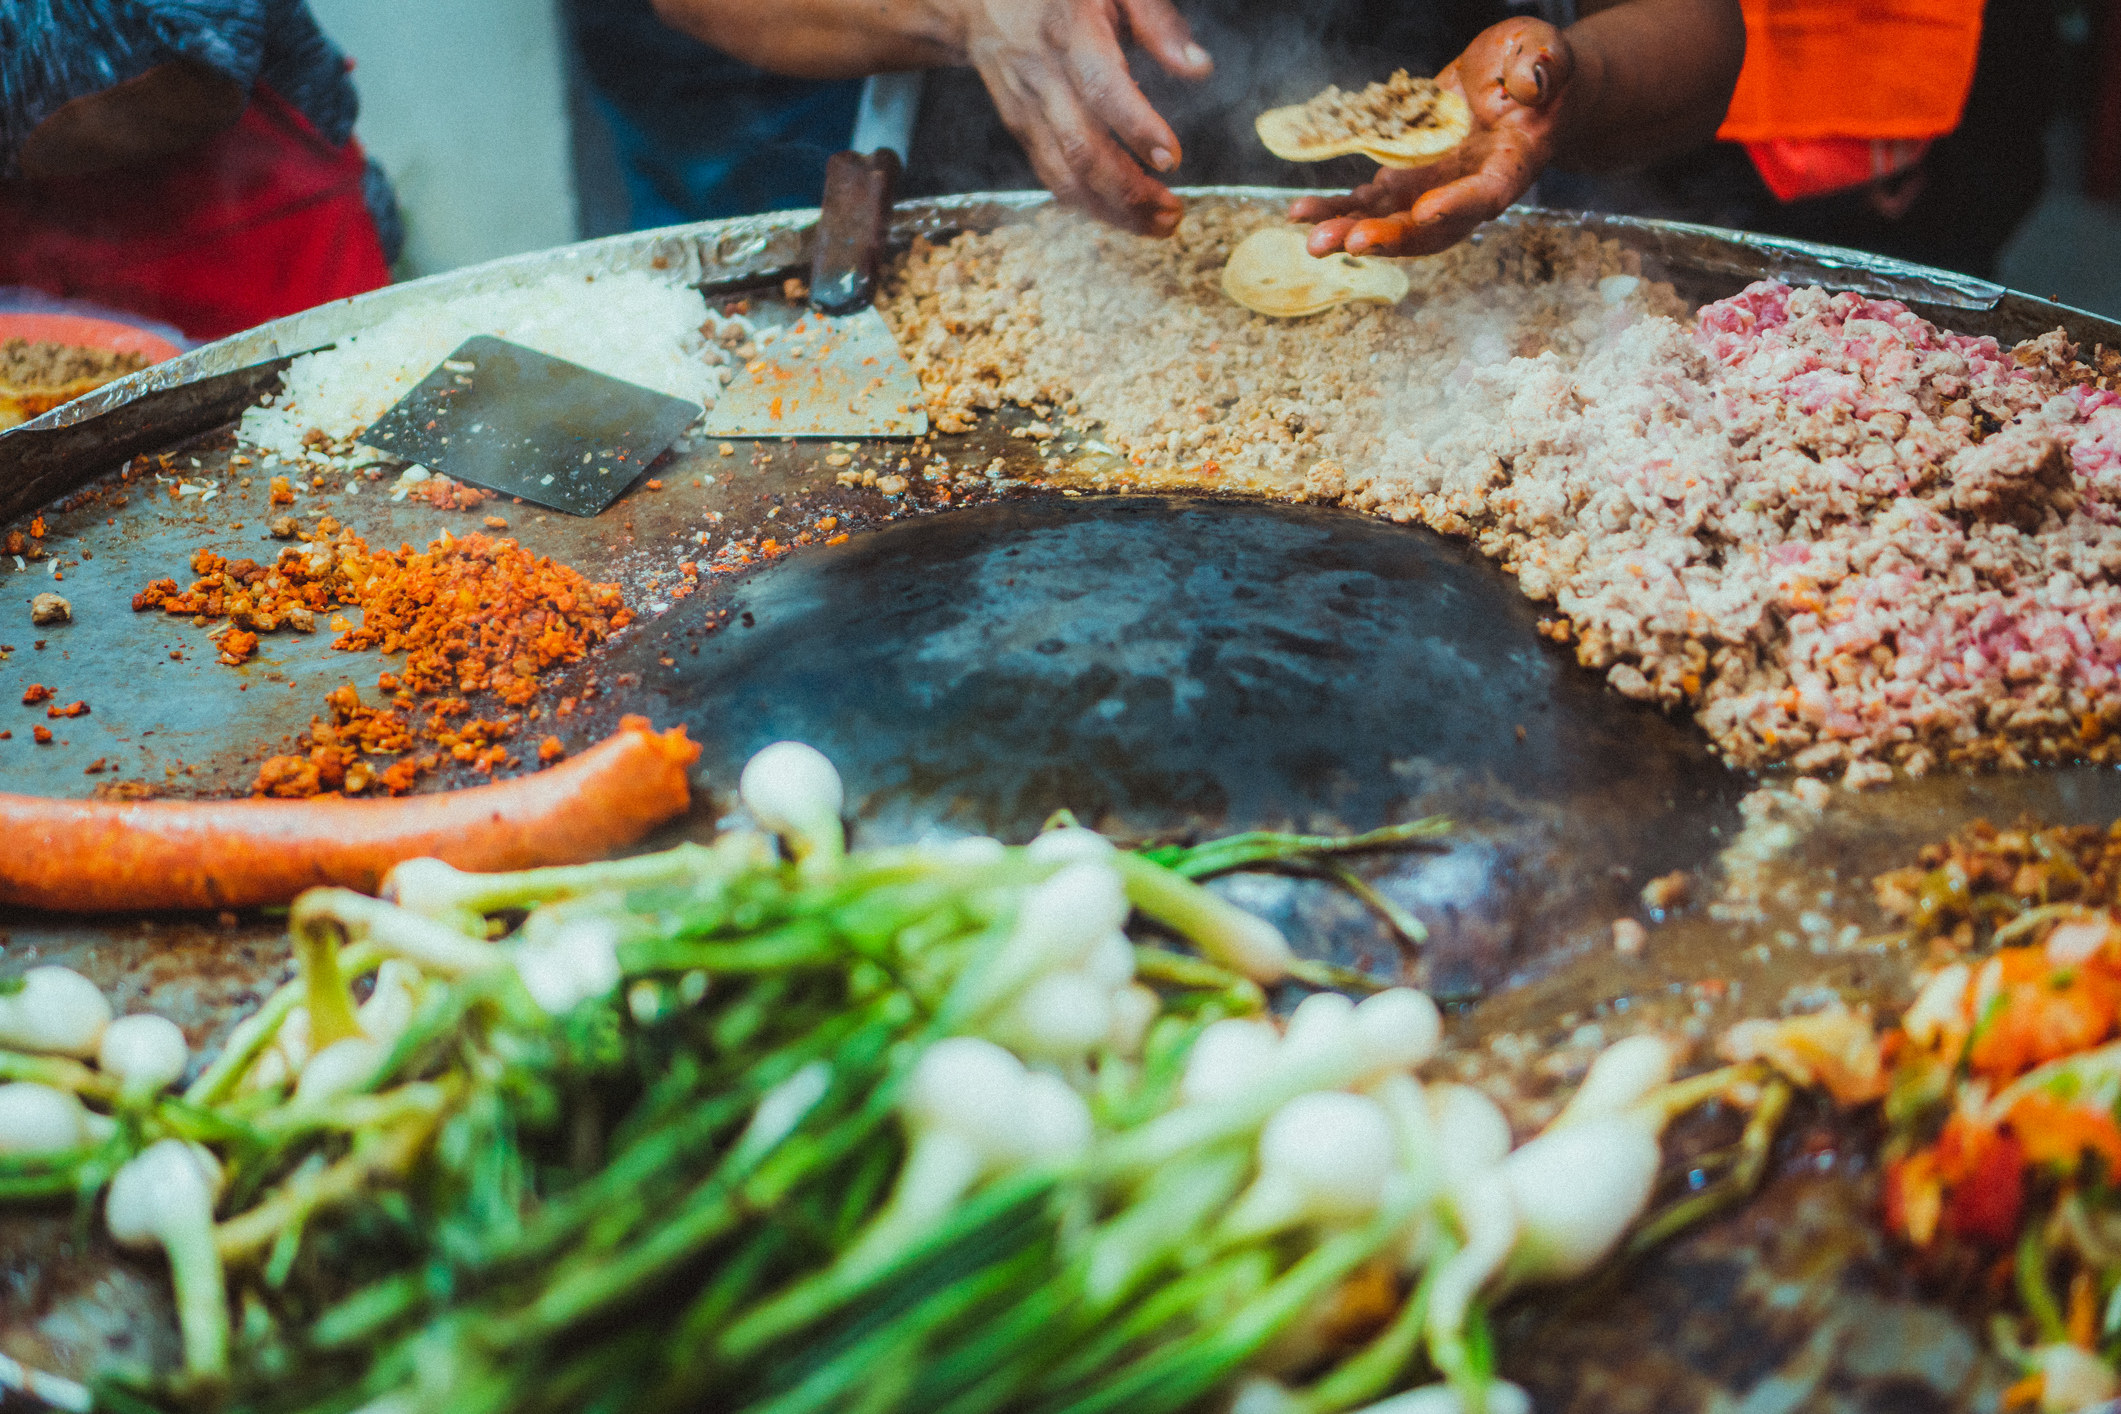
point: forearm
(1653, 77)
(821, 39)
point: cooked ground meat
(1840, 535)
(24, 364)
(1393, 108)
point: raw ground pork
(1842, 537)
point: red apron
(262, 220)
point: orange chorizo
(83, 856)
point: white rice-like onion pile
(631, 325)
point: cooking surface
(1159, 666)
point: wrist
(1582, 91)
(939, 24)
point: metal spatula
(524, 423)
(837, 370)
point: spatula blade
(824, 376)
(523, 423)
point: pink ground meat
(1841, 537)
(1837, 532)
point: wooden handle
(850, 229)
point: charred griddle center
(1171, 664)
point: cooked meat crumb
(1393, 108)
(1842, 537)
(50, 609)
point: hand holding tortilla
(1623, 86)
(1271, 273)
(1515, 73)
(1401, 122)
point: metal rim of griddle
(52, 455)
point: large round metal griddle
(1177, 665)
(1158, 665)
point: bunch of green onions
(770, 1126)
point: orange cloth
(1853, 69)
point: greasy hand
(1513, 77)
(1059, 80)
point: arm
(820, 39)
(1652, 78)
(1054, 68)
(1634, 81)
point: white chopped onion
(1111, 961)
(1063, 919)
(1487, 1226)
(1472, 1136)
(1230, 1058)
(1134, 1009)
(165, 1196)
(339, 1069)
(570, 961)
(1397, 1029)
(1323, 1157)
(1621, 1076)
(1576, 1190)
(794, 792)
(56, 1011)
(1501, 1397)
(1059, 1016)
(1071, 844)
(39, 1119)
(1260, 1395)
(391, 1002)
(1053, 1122)
(1322, 1032)
(144, 1052)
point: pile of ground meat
(27, 364)
(1844, 538)
(1389, 109)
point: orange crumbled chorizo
(550, 749)
(71, 709)
(36, 692)
(472, 615)
(43, 735)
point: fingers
(1098, 69)
(1072, 152)
(1393, 190)
(1159, 28)
(1440, 219)
(1331, 235)
(1519, 63)
(1324, 208)
(1536, 66)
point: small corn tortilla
(1271, 273)
(1402, 122)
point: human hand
(1059, 80)
(1513, 77)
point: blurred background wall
(475, 177)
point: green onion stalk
(775, 1125)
